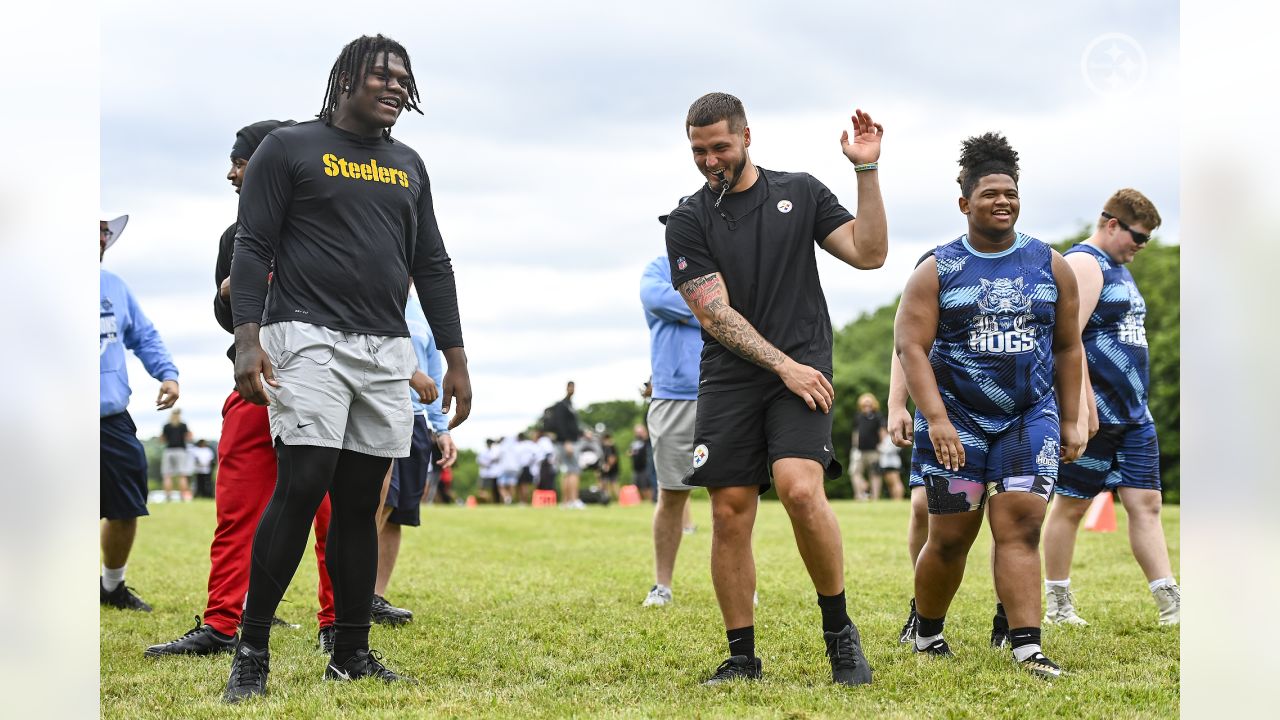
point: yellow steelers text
(370, 171)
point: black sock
(742, 641)
(254, 632)
(928, 627)
(1000, 622)
(1019, 637)
(834, 616)
(347, 639)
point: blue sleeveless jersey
(993, 353)
(1115, 342)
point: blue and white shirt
(1115, 342)
(429, 362)
(993, 353)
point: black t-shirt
(175, 436)
(869, 430)
(347, 220)
(763, 248)
(221, 271)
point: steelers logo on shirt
(784, 206)
(700, 455)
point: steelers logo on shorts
(784, 206)
(700, 455)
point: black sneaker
(325, 639)
(365, 663)
(249, 672)
(385, 613)
(122, 597)
(848, 664)
(736, 667)
(1041, 666)
(277, 621)
(937, 648)
(908, 632)
(200, 640)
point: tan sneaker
(1059, 607)
(1169, 600)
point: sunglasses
(1139, 238)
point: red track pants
(246, 479)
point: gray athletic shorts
(175, 462)
(671, 430)
(340, 389)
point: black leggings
(354, 483)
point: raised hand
(865, 146)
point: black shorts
(122, 476)
(739, 433)
(409, 477)
(525, 477)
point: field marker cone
(471, 501)
(628, 495)
(1101, 516)
(544, 498)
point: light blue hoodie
(429, 362)
(675, 337)
(123, 325)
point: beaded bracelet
(864, 167)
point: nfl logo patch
(700, 455)
(681, 263)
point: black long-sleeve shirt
(347, 220)
(221, 271)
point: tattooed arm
(709, 300)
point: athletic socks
(1153, 585)
(254, 632)
(1001, 620)
(347, 639)
(1050, 584)
(928, 630)
(1025, 642)
(111, 579)
(834, 615)
(742, 641)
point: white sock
(924, 641)
(111, 579)
(1024, 652)
(1048, 584)
(1161, 582)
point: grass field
(536, 613)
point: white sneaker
(1059, 607)
(691, 530)
(1169, 600)
(658, 596)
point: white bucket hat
(115, 227)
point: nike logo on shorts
(300, 425)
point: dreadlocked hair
(356, 61)
(986, 154)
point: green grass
(536, 613)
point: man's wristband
(864, 167)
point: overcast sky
(553, 134)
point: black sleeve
(830, 214)
(264, 199)
(221, 271)
(687, 249)
(432, 272)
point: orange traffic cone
(544, 498)
(471, 501)
(628, 495)
(1101, 516)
